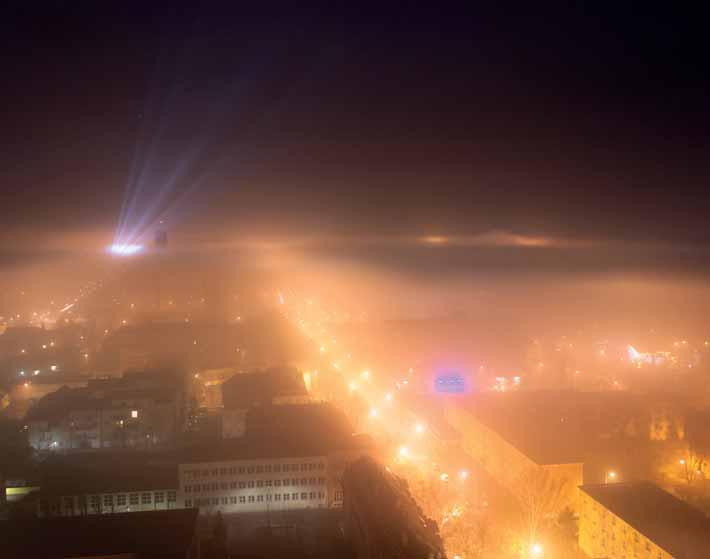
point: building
(138, 410)
(146, 535)
(80, 485)
(291, 458)
(242, 392)
(517, 438)
(247, 478)
(621, 520)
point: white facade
(265, 484)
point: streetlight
(463, 475)
(419, 428)
(610, 476)
(536, 550)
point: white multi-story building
(254, 484)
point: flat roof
(256, 449)
(551, 427)
(86, 473)
(670, 523)
(167, 533)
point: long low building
(293, 459)
(620, 520)
(519, 439)
(102, 484)
(250, 477)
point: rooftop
(107, 473)
(675, 526)
(100, 393)
(261, 387)
(554, 427)
(245, 449)
(163, 534)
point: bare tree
(541, 496)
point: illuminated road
(443, 479)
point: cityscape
(324, 283)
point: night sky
(534, 138)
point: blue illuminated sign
(450, 383)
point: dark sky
(491, 127)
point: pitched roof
(670, 523)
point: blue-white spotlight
(125, 249)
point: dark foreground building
(144, 535)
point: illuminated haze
(468, 168)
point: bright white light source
(373, 412)
(419, 428)
(134, 414)
(463, 474)
(125, 249)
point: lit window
(134, 414)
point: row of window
(255, 469)
(214, 486)
(243, 499)
(122, 499)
